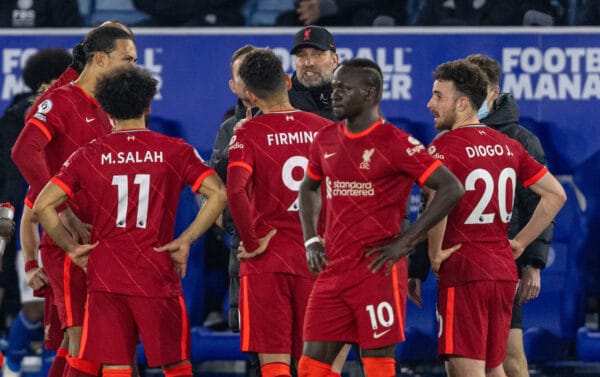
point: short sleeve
(241, 151)
(195, 169)
(411, 158)
(49, 116)
(314, 169)
(69, 178)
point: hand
(389, 254)
(81, 253)
(262, 247)
(441, 256)
(7, 228)
(315, 256)
(36, 278)
(241, 122)
(79, 230)
(308, 11)
(529, 285)
(414, 291)
(179, 251)
(517, 248)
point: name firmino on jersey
(286, 138)
(136, 157)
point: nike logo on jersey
(89, 119)
(377, 335)
(327, 155)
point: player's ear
(100, 58)
(231, 86)
(252, 98)
(288, 82)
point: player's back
(275, 147)
(132, 181)
(489, 164)
(280, 144)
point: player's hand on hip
(315, 256)
(263, 243)
(388, 255)
(530, 284)
(36, 278)
(81, 254)
(79, 230)
(414, 291)
(179, 251)
(441, 256)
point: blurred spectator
(493, 13)
(588, 13)
(346, 13)
(40, 13)
(191, 12)
(265, 12)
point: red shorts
(474, 320)
(272, 308)
(53, 332)
(68, 282)
(370, 311)
(114, 324)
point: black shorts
(516, 322)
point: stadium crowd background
(575, 230)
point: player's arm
(448, 190)
(30, 242)
(552, 198)
(44, 209)
(309, 198)
(28, 156)
(214, 190)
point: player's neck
(130, 124)
(468, 120)
(87, 80)
(280, 103)
(361, 122)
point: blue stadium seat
(588, 345)
(421, 328)
(550, 322)
(265, 12)
(95, 12)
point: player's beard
(445, 123)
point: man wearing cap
(315, 58)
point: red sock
(81, 368)
(58, 365)
(124, 372)
(379, 366)
(275, 370)
(309, 367)
(181, 370)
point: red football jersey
(132, 181)
(273, 148)
(488, 163)
(368, 177)
(66, 77)
(69, 118)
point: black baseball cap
(313, 36)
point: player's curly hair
(468, 79)
(263, 73)
(126, 92)
(372, 74)
(44, 66)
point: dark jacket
(505, 118)
(314, 100)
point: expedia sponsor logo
(348, 188)
(555, 73)
(234, 144)
(417, 146)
